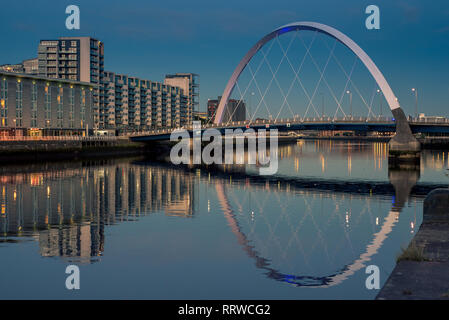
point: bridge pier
(404, 148)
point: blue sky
(152, 38)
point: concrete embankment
(46, 149)
(437, 143)
(422, 271)
(441, 143)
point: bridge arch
(325, 29)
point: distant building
(235, 110)
(16, 68)
(212, 106)
(31, 66)
(189, 82)
(135, 104)
(36, 106)
(78, 59)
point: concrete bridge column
(403, 147)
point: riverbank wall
(12, 151)
(422, 270)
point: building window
(34, 105)
(47, 106)
(4, 102)
(19, 103)
(60, 108)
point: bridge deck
(381, 124)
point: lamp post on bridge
(322, 104)
(350, 102)
(415, 90)
(251, 101)
(380, 101)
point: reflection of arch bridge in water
(303, 280)
(114, 193)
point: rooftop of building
(177, 75)
(29, 76)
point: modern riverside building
(78, 59)
(189, 82)
(135, 104)
(38, 106)
(119, 103)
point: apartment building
(135, 104)
(78, 59)
(189, 83)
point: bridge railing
(298, 120)
(58, 138)
(429, 120)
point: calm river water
(145, 230)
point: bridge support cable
(296, 72)
(264, 57)
(274, 75)
(296, 76)
(241, 99)
(344, 90)
(321, 77)
(372, 97)
(321, 73)
(262, 96)
(352, 83)
(253, 79)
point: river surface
(140, 229)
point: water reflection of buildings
(435, 159)
(66, 210)
(322, 150)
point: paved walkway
(428, 279)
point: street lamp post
(415, 90)
(350, 102)
(251, 102)
(380, 101)
(322, 105)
